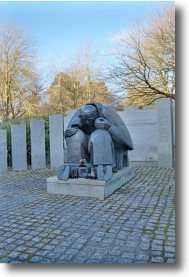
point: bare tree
(145, 59)
(77, 83)
(18, 76)
(88, 71)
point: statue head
(89, 114)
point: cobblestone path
(136, 224)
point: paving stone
(170, 249)
(72, 251)
(30, 243)
(110, 259)
(158, 241)
(128, 255)
(125, 261)
(65, 258)
(85, 253)
(170, 243)
(144, 246)
(81, 240)
(23, 257)
(169, 255)
(157, 260)
(156, 253)
(43, 252)
(170, 261)
(10, 246)
(32, 250)
(53, 255)
(21, 248)
(97, 255)
(142, 257)
(36, 259)
(135, 224)
(13, 254)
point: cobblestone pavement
(136, 224)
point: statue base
(90, 188)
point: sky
(62, 26)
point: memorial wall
(152, 130)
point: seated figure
(97, 134)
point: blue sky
(63, 26)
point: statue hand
(102, 123)
(70, 132)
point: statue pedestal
(90, 188)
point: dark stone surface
(97, 134)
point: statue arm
(117, 135)
(118, 129)
(115, 132)
(74, 124)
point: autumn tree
(80, 82)
(144, 67)
(64, 93)
(19, 85)
(67, 93)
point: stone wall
(148, 127)
(142, 125)
(152, 130)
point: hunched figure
(97, 134)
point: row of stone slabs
(90, 188)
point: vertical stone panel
(3, 151)
(142, 126)
(56, 140)
(18, 143)
(165, 133)
(66, 122)
(68, 118)
(37, 132)
(174, 121)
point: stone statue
(98, 135)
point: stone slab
(18, 142)
(90, 188)
(165, 133)
(142, 126)
(56, 140)
(3, 151)
(37, 131)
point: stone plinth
(88, 187)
